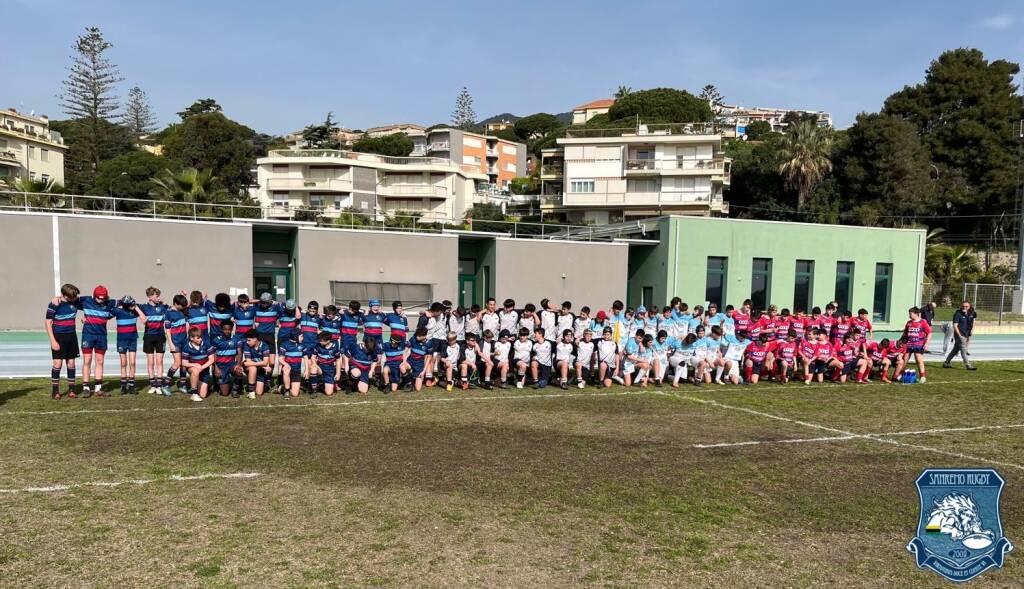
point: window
(44, 155)
(647, 296)
(803, 285)
(581, 186)
(714, 291)
(883, 292)
(760, 283)
(510, 167)
(844, 285)
(509, 149)
(413, 296)
(45, 178)
(31, 175)
(31, 152)
(646, 185)
(280, 167)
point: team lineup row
(229, 345)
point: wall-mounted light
(381, 270)
(159, 262)
(563, 275)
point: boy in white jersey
(450, 360)
(528, 318)
(660, 347)
(470, 356)
(565, 355)
(547, 319)
(540, 365)
(500, 356)
(508, 317)
(581, 323)
(585, 348)
(473, 321)
(484, 364)
(522, 350)
(735, 351)
(607, 358)
(489, 317)
(683, 358)
(565, 319)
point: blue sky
(277, 66)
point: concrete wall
(345, 255)
(678, 267)
(121, 254)
(528, 270)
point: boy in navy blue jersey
(361, 361)
(154, 338)
(309, 326)
(126, 315)
(255, 363)
(60, 327)
(291, 357)
(395, 367)
(197, 357)
(326, 364)
(331, 323)
(267, 314)
(198, 314)
(419, 352)
(243, 313)
(373, 323)
(177, 333)
(228, 349)
(97, 310)
(288, 316)
(397, 322)
(351, 320)
(218, 310)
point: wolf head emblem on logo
(957, 515)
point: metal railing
(332, 184)
(412, 190)
(645, 164)
(9, 155)
(655, 130)
(323, 216)
(551, 170)
(997, 299)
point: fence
(999, 303)
(320, 216)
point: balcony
(412, 191)
(636, 167)
(651, 130)
(439, 146)
(310, 184)
(492, 170)
(492, 152)
(37, 134)
(551, 171)
(9, 156)
(627, 199)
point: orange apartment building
(499, 159)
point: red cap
(601, 315)
(100, 291)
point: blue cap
(374, 302)
(641, 309)
(290, 304)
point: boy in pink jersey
(741, 316)
(784, 353)
(918, 334)
(863, 322)
(878, 358)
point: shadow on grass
(13, 394)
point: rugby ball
(977, 541)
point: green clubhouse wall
(678, 265)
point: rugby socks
(124, 386)
(170, 378)
(71, 378)
(55, 379)
(748, 372)
(131, 383)
(250, 387)
(718, 373)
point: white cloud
(999, 22)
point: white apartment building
(616, 176)
(333, 180)
(741, 116)
(29, 149)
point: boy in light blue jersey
(735, 352)
(659, 349)
(714, 317)
(684, 357)
(695, 320)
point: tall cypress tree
(138, 115)
(464, 117)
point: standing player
(397, 322)
(60, 327)
(126, 316)
(373, 324)
(489, 320)
(97, 310)
(178, 334)
(918, 333)
(154, 339)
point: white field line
(322, 405)
(172, 478)
(923, 432)
(842, 433)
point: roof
(397, 125)
(600, 103)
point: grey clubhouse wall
(126, 255)
(326, 255)
(528, 270)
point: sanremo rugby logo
(959, 534)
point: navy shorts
(92, 342)
(204, 376)
(153, 344)
(849, 367)
(818, 366)
(394, 368)
(915, 349)
(437, 346)
(127, 345)
(226, 373)
(417, 367)
(328, 373)
(179, 344)
(294, 372)
(757, 367)
(261, 375)
(270, 340)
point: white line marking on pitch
(842, 433)
(924, 432)
(324, 405)
(174, 478)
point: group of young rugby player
(265, 345)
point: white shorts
(734, 369)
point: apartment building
(498, 159)
(584, 112)
(346, 137)
(29, 149)
(334, 180)
(604, 176)
(741, 116)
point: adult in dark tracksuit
(962, 326)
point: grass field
(513, 488)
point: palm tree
(622, 92)
(191, 186)
(805, 152)
(34, 193)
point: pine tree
(463, 117)
(88, 90)
(138, 115)
(712, 96)
(322, 136)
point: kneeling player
(326, 364)
(197, 358)
(291, 359)
(395, 367)
(255, 363)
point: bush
(661, 105)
